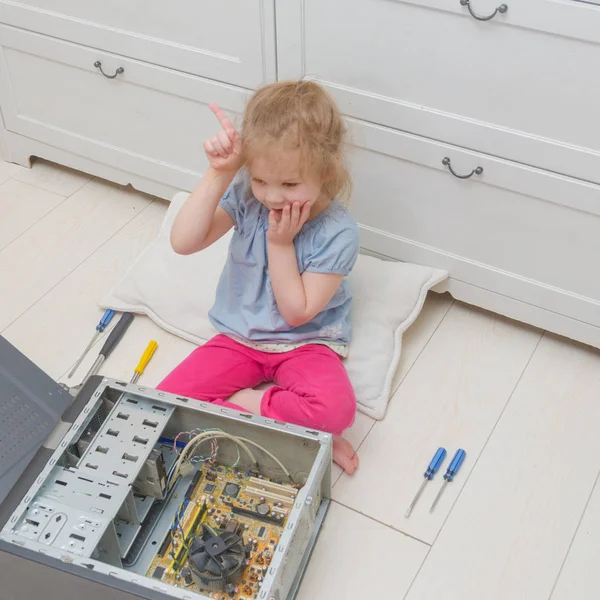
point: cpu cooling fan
(217, 560)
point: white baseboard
(526, 313)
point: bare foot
(344, 454)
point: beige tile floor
(522, 519)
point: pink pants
(312, 387)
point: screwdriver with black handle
(109, 345)
(432, 469)
(104, 321)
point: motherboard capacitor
(263, 509)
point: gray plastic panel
(31, 404)
(19, 423)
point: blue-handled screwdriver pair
(432, 469)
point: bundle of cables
(188, 455)
(197, 457)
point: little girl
(282, 303)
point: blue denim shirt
(245, 305)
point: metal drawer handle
(477, 171)
(501, 9)
(119, 71)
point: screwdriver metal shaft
(457, 461)
(104, 321)
(434, 465)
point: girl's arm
(201, 221)
(299, 297)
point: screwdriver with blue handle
(104, 321)
(432, 469)
(457, 461)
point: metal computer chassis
(67, 517)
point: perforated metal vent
(99, 418)
(19, 425)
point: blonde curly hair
(299, 115)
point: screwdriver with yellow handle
(144, 360)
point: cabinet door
(522, 85)
(148, 120)
(521, 235)
(230, 40)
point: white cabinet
(518, 232)
(517, 95)
(475, 144)
(147, 120)
(523, 85)
(230, 40)
(121, 90)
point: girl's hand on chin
(284, 225)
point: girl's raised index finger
(227, 125)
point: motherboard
(224, 533)
(228, 510)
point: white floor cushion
(178, 291)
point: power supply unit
(160, 496)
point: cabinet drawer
(231, 40)
(521, 232)
(148, 120)
(519, 86)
